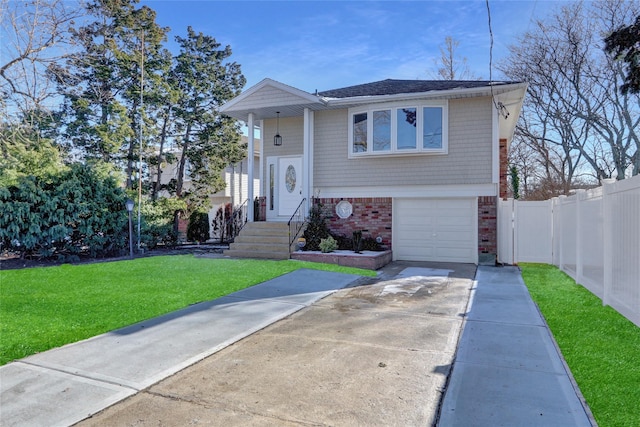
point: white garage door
(435, 230)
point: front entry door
(289, 185)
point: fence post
(561, 199)
(505, 231)
(554, 235)
(580, 196)
(607, 236)
(513, 253)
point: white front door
(289, 185)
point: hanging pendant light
(277, 139)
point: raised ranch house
(417, 164)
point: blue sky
(331, 44)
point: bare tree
(573, 107)
(449, 66)
(35, 36)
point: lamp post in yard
(129, 204)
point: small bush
(370, 244)
(328, 245)
(198, 228)
(357, 241)
(344, 243)
(222, 223)
(157, 226)
(316, 227)
(366, 244)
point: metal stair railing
(297, 220)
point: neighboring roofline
(269, 82)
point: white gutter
(451, 93)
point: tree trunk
(183, 161)
(163, 137)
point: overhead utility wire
(499, 105)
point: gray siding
(468, 160)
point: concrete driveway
(376, 355)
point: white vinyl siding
(435, 230)
(268, 96)
(468, 160)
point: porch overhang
(269, 97)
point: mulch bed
(11, 261)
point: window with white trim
(398, 129)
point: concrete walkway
(65, 385)
(315, 348)
(508, 371)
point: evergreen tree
(208, 141)
(102, 83)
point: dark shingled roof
(394, 87)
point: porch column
(250, 151)
(307, 158)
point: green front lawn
(601, 347)
(43, 308)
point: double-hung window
(398, 129)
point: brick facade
(487, 225)
(374, 217)
(371, 215)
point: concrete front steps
(266, 240)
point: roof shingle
(394, 87)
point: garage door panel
(417, 255)
(435, 230)
(453, 203)
(455, 221)
(418, 218)
(453, 238)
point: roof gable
(267, 97)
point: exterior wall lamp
(129, 205)
(277, 139)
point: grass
(43, 308)
(601, 347)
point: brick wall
(371, 215)
(374, 217)
(180, 227)
(487, 225)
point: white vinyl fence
(593, 236)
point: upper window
(398, 129)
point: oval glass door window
(290, 179)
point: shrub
(198, 228)
(357, 241)
(328, 245)
(316, 227)
(157, 226)
(77, 211)
(366, 244)
(370, 244)
(222, 223)
(344, 242)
